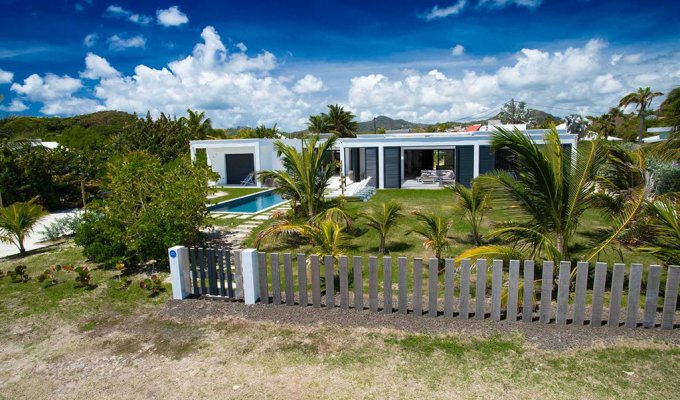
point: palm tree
(605, 125)
(547, 198)
(317, 124)
(17, 221)
(341, 122)
(475, 202)
(642, 100)
(664, 241)
(434, 230)
(383, 219)
(261, 131)
(305, 174)
(199, 126)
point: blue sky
(254, 62)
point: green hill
(102, 123)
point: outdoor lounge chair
(447, 176)
(427, 176)
(249, 180)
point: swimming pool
(251, 203)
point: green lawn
(232, 193)
(440, 202)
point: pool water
(250, 204)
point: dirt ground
(210, 349)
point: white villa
(392, 160)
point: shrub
(154, 284)
(84, 277)
(666, 176)
(50, 275)
(61, 227)
(123, 281)
(20, 274)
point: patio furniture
(249, 180)
(427, 176)
(447, 176)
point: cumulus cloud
(15, 106)
(97, 67)
(309, 84)
(6, 76)
(241, 46)
(56, 93)
(119, 43)
(577, 78)
(437, 12)
(171, 17)
(457, 50)
(115, 11)
(90, 39)
(504, 3)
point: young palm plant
(304, 175)
(17, 221)
(664, 221)
(434, 231)
(475, 202)
(547, 198)
(382, 219)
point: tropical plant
(515, 112)
(317, 124)
(198, 125)
(83, 275)
(304, 176)
(605, 125)
(19, 274)
(382, 219)
(664, 221)
(475, 201)
(50, 275)
(670, 109)
(18, 220)
(326, 234)
(340, 122)
(434, 231)
(547, 198)
(642, 100)
(165, 137)
(154, 284)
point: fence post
(251, 282)
(179, 272)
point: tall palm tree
(546, 200)
(304, 175)
(199, 126)
(382, 219)
(605, 125)
(434, 231)
(642, 100)
(341, 122)
(475, 202)
(17, 221)
(317, 124)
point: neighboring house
(662, 133)
(390, 160)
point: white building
(391, 160)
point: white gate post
(251, 283)
(179, 272)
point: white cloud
(457, 50)
(15, 106)
(57, 93)
(90, 39)
(115, 11)
(171, 17)
(6, 76)
(241, 46)
(119, 43)
(437, 12)
(626, 58)
(504, 3)
(309, 84)
(487, 60)
(97, 67)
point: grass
(47, 331)
(232, 193)
(439, 202)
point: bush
(61, 227)
(50, 275)
(666, 176)
(149, 207)
(154, 284)
(20, 274)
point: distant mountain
(388, 123)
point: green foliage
(164, 137)
(154, 284)
(83, 275)
(475, 201)
(515, 112)
(337, 121)
(19, 274)
(664, 221)
(200, 127)
(49, 275)
(261, 132)
(17, 221)
(304, 176)
(61, 227)
(149, 207)
(434, 231)
(317, 124)
(382, 219)
(670, 109)
(666, 176)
